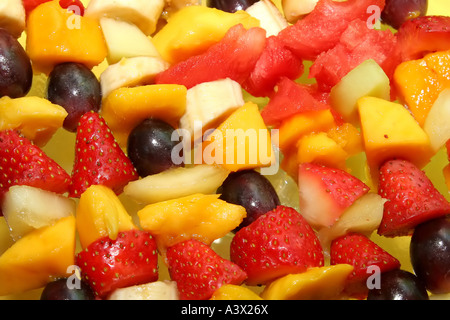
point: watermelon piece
(234, 57)
(320, 30)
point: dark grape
(16, 73)
(251, 190)
(399, 285)
(396, 12)
(230, 5)
(76, 88)
(150, 147)
(430, 254)
(59, 290)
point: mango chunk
(234, 292)
(44, 253)
(99, 214)
(324, 283)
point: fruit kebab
(224, 150)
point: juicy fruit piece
(16, 73)
(98, 158)
(35, 118)
(158, 290)
(269, 16)
(125, 40)
(399, 285)
(53, 39)
(6, 240)
(360, 252)
(198, 279)
(59, 290)
(124, 108)
(367, 79)
(326, 192)
(412, 198)
(323, 283)
(143, 14)
(423, 35)
(12, 17)
(100, 214)
(241, 142)
(26, 164)
(390, 131)
(129, 260)
(150, 147)
(26, 209)
(194, 29)
(396, 12)
(253, 191)
(230, 6)
(176, 183)
(435, 124)
(295, 9)
(76, 88)
(430, 256)
(234, 57)
(201, 217)
(31, 261)
(278, 243)
(234, 292)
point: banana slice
(271, 19)
(159, 290)
(12, 16)
(142, 13)
(130, 72)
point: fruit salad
(224, 150)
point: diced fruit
(295, 9)
(397, 12)
(35, 118)
(177, 183)
(360, 252)
(230, 6)
(126, 40)
(234, 292)
(201, 217)
(27, 208)
(193, 29)
(439, 62)
(158, 290)
(435, 125)
(98, 158)
(53, 39)
(124, 108)
(199, 278)
(131, 259)
(323, 283)
(241, 142)
(142, 13)
(12, 17)
(348, 137)
(390, 131)
(59, 290)
(234, 57)
(270, 18)
(44, 253)
(101, 214)
(412, 198)
(325, 193)
(6, 240)
(278, 243)
(367, 79)
(129, 72)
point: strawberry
(412, 198)
(199, 271)
(98, 158)
(422, 35)
(129, 260)
(360, 252)
(326, 192)
(23, 163)
(278, 243)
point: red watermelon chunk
(234, 57)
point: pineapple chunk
(12, 16)
(27, 208)
(158, 290)
(437, 124)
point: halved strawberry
(129, 260)
(360, 252)
(278, 243)
(422, 35)
(326, 192)
(199, 271)
(98, 158)
(23, 163)
(412, 198)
